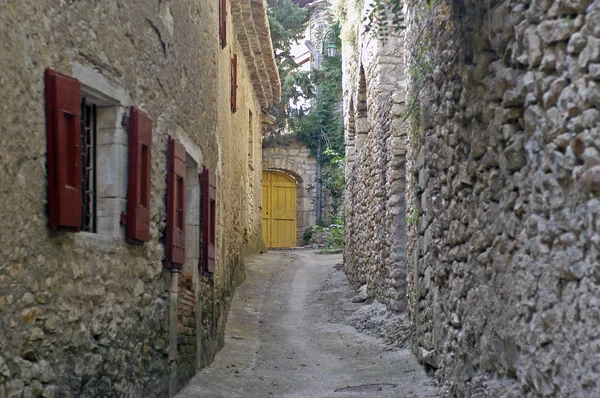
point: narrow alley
(287, 336)
(300, 198)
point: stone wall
(186, 328)
(295, 159)
(84, 314)
(506, 179)
(374, 101)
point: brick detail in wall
(186, 319)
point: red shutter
(63, 127)
(234, 83)
(175, 256)
(223, 22)
(138, 193)
(209, 219)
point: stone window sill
(98, 242)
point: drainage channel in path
(286, 337)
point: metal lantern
(331, 49)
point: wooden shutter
(175, 250)
(223, 22)
(209, 219)
(234, 83)
(138, 192)
(63, 130)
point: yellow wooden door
(279, 209)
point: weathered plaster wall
(505, 255)
(88, 315)
(295, 160)
(374, 99)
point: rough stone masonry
(375, 91)
(505, 263)
(503, 193)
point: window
(88, 148)
(88, 166)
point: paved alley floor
(286, 337)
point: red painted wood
(223, 22)
(234, 85)
(138, 192)
(209, 220)
(175, 248)
(63, 128)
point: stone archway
(295, 160)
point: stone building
(130, 156)
(375, 134)
(502, 193)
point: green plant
(307, 235)
(337, 219)
(414, 217)
(313, 121)
(335, 240)
(287, 22)
(334, 180)
(272, 139)
(321, 125)
(385, 16)
(417, 191)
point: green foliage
(338, 219)
(412, 112)
(277, 140)
(307, 235)
(287, 22)
(333, 241)
(414, 217)
(386, 16)
(319, 123)
(333, 179)
(334, 157)
(323, 122)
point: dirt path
(286, 337)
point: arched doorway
(279, 215)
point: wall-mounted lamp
(331, 47)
